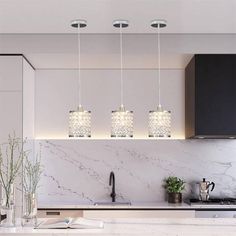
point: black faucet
(112, 182)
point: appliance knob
(234, 215)
(215, 216)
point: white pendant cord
(121, 68)
(79, 79)
(159, 64)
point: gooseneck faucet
(112, 183)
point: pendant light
(79, 119)
(121, 119)
(159, 119)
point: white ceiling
(40, 29)
(53, 16)
(101, 51)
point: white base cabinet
(117, 213)
(139, 213)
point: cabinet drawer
(59, 213)
(216, 214)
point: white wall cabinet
(11, 81)
(15, 72)
(16, 76)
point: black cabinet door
(215, 95)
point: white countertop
(144, 227)
(136, 205)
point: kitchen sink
(112, 203)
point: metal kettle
(204, 189)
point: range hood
(210, 96)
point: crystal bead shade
(80, 123)
(159, 123)
(122, 123)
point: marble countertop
(154, 226)
(136, 205)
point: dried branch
(14, 155)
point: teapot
(204, 189)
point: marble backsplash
(77, 171)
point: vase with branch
(11, 157)
(31, 177)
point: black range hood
(210, 96)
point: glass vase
(29, 210)
(8, 205)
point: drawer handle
(52, 213)
(215, 216)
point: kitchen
(49, 66)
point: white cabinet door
(11, 73)
(215, 214)
(139, 213)
(11, 104)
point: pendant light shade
(121, 119)
(122, 123)
(79, 119)
(80, 123)
(159, 123)
(159, 119)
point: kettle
(204, 189)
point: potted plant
(174, 186)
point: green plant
(10, 164)
(174, 184)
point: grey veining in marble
(77, 171)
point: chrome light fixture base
(122, 123)
(121, 23)
(160, 23)
(80, 123)
(78, 23)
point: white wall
(56, 94)
(101, 51)
(77, 171)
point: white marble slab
(160, 227)
(77, 171)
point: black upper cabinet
(210, 96)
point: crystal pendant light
(79, 119)
(159, 119)
(121, 119)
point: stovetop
(214, 201)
